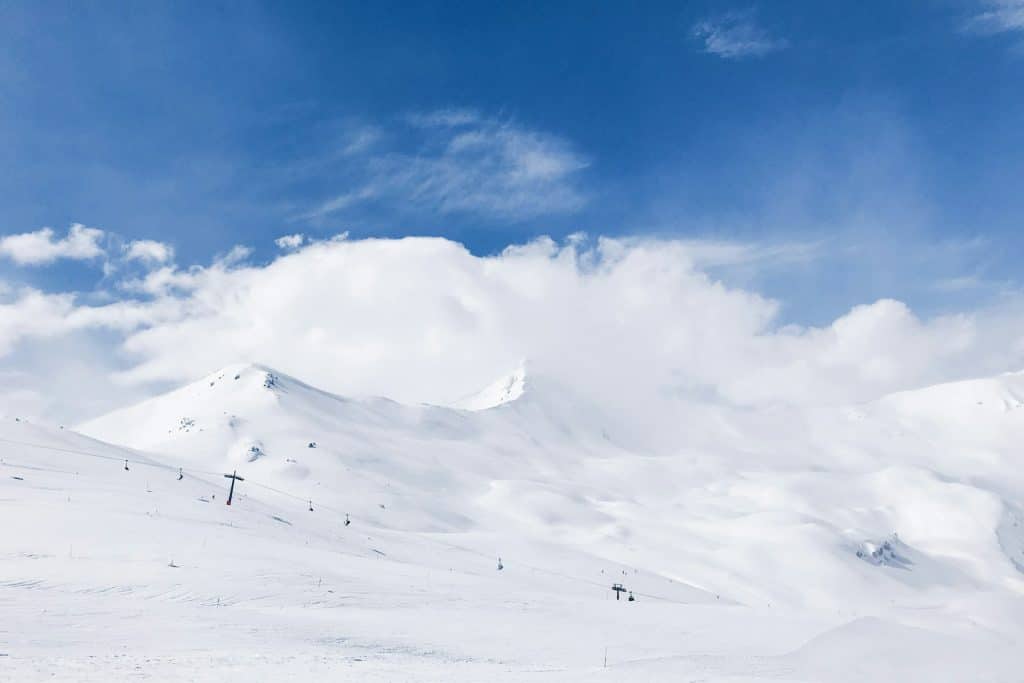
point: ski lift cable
(148, 463)
(144, 463)
(249, 481)
(35, 468)
(453, 546)
(294, 496)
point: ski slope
(880, 542)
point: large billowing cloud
(634, 324)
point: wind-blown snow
(882, 541)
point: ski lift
(347, 520)
(310, 506)
(126, 465)
(619, 590)
(631, 598)
(500, 565)
(181, 475)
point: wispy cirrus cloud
(342, 201)
(448, 117)
(736, 35)
(460, 161)
(360, 139)
(997, 16)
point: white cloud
(450, 117)
(235, 254)
(637, 324)
(466, 163)
(709, 254)
(958, 284)
(361, 139)
(342, 201)
(736, 35)
(149, 251)
(42, 247)
(28, 313)
(998, 16)
(290, 241)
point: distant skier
(347, 520)
(500, 565)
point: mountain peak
(505, 389)
(238, 370)
(245, 374)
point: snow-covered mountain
(542, 461)
(367, 451)
(807, 541)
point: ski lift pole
(233, 477)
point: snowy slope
(115, 575)
(769, 546)
(362, 452)
(544, 466)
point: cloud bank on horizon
(637, 323)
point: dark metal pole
(233, 477)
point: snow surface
(881, 542)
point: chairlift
(310, 506)
(181, 475)
(126, 465)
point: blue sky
(866, 149)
